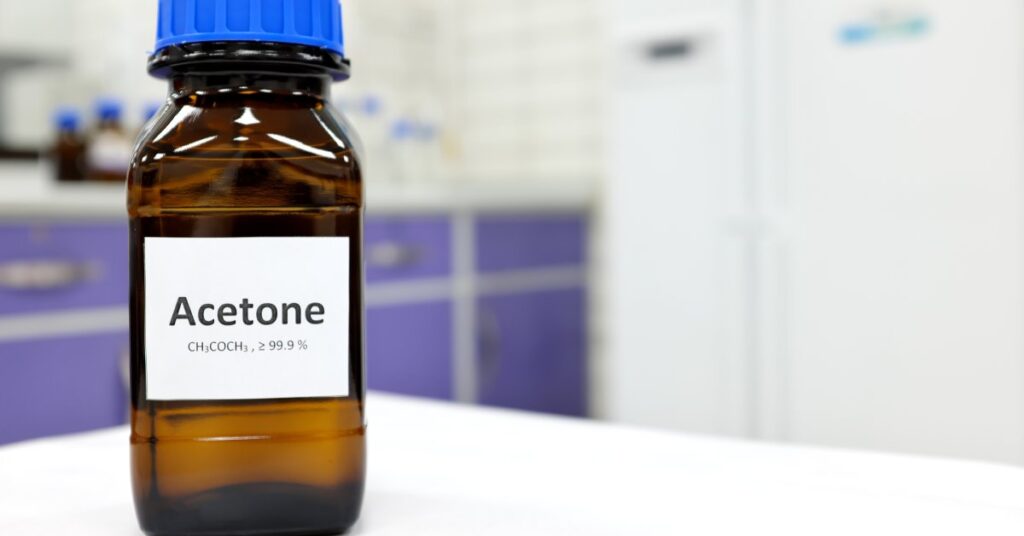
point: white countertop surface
(27, 192)
(440, 469)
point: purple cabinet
(59, 386)
(505, 243)
(531, 351)
(407, 248)
(531, 345)
(409, 349)
(50, 267)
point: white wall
(513, 86)
(529, 87)
(87, 48)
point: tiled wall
(530, 83)
(512, 89)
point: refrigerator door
(904, 209)
(675, 249)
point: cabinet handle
(44, 274)
(393, 255)
(489, 344)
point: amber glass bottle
(109, 145)
(245, 199)
(68, 153)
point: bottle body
(68, 156)
(68, 152)
(245, 181)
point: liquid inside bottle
(246, 203)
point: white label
(247, 318)
(109, 151)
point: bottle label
(109, 152)
(246, 318)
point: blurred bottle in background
(404, 146)
(366, 114)
(402, 149)
(414, 149)
(429, 151)
(109, 146)
(68, 152)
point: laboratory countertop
(442, 469)
(26, 192)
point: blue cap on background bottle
(403, 128)
(315, 23)
(371, 105)
(108, 110)
(67, 118)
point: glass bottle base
(254, 510)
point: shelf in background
(26, 192)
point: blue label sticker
(884, 25)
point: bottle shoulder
(249, 128)
(246, 152)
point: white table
(439, 469)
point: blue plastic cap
(108, 110)
(67, 119)
(315, 23)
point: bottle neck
(231, 69)
(205, 86)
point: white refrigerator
(816, 223)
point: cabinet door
(57, 266)
(407, 248)
(409, 349)
(60, 386)
(531, 351)
(525, 242)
